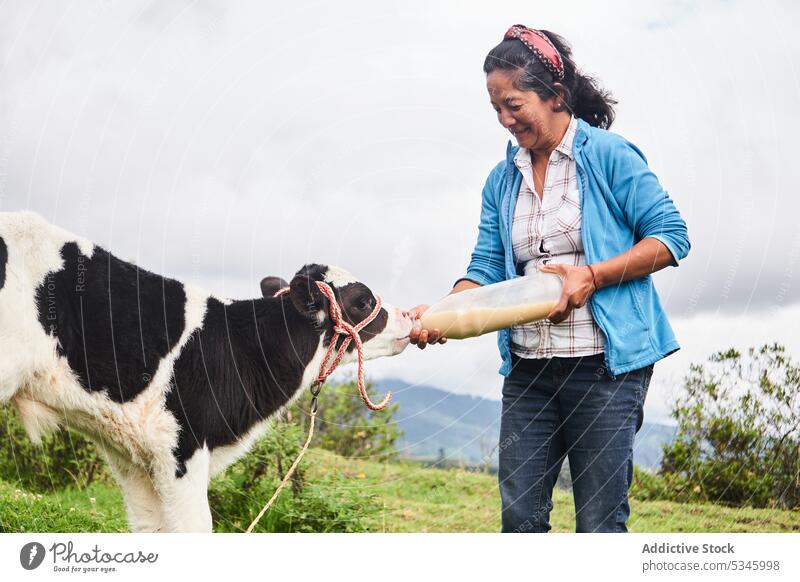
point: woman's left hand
(578, 287)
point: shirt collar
(522, 159)
(565, 147)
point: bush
(328, 504)
(648, 486)
(346, 426)
(738, 438)
(64, 459)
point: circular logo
(31, 555)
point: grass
(416, 499)
(409, 498)
(98, 508)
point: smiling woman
(578, 201)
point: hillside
(460, 428)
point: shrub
(64, 459)
(328, 504)
(649, 486)
(346, 426)
(738, 438)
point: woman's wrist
(595, 280)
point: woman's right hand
(422, 337)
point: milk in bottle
(489, 308)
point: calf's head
(386, 335)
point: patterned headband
(540, 46)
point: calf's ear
(306, 296)
(271, 285)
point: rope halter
(342, 327)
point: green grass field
(408, 497)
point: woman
(575, 200)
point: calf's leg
(185, 498)
(144, 506)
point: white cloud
(223, 142)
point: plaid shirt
(549, 231)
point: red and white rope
(342, 327)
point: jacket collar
(581, 135)
(580, 139)
(511, 151)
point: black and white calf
(172, 383)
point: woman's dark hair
(581, 94)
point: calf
(172, 383)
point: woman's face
(523, 113)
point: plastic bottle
(488, 308)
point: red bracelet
(594, 278)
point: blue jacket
(622, 202)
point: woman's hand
(578, 287)
(422, 337)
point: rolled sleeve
(665, 241)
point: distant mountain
(466, 429)
(649, 441)
(439, 424)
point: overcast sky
(221, 142)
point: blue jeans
(568, 407)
